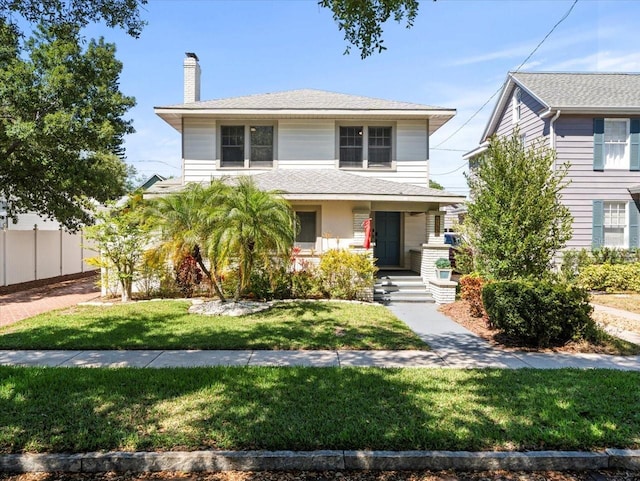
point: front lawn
(167, 325)
(79, 410)
(627, 302)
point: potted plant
(443, 269)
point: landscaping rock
(219, 308)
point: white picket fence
(30, 255)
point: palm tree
(186, 221)
(254, 227)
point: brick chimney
(191, 78)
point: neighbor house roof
(572, 93)
(330, 184)
(306, 103)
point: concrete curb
(327, 460)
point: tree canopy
(362, 21)
(61, 123)
(115, 13)
(516, 220)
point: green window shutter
(633, 225)
(635, 144)
(598, 144)
(597, 236)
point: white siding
(306, 144)
(199, 149)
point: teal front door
(387, 238)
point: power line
(564, 17)
(452, 171)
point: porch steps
(400, 286)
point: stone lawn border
(326, 460)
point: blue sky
(456, 55)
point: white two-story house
(339, 159)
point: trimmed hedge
(539, 313)
(610, 277)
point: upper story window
(517, 105)
(261, 146)
(378, 152)
(379, 147)
(351, 146)
(616, 144)
(615, 224)
(237, 140)
(232, 144)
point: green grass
(76, 410)
(167, 325)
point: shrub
(573, 261)
(463, 255)
(188, 275)
(471, 291)
(346, 274)
(611, 277)
(443, 263)
(539, 313)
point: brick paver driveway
(23, 304)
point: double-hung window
(379, 147)
(615, 224)
(616, 144)
(238, 140)
(232, 145)
(351, 147)
(365, 147)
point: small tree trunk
(212, 278)
(125, 285)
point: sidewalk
(452, 347)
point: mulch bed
(459, 312)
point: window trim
(365, 145)
(247, 144)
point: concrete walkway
(452, 347)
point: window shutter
(597, 236)
(633, 225)
(598, 144)
(635, 144)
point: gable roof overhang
(571, 93)
(305, 103)
(436, 118)
(507, 88)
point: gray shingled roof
(583, 90)
(336, 182)
(303, 99)
(324, 183)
